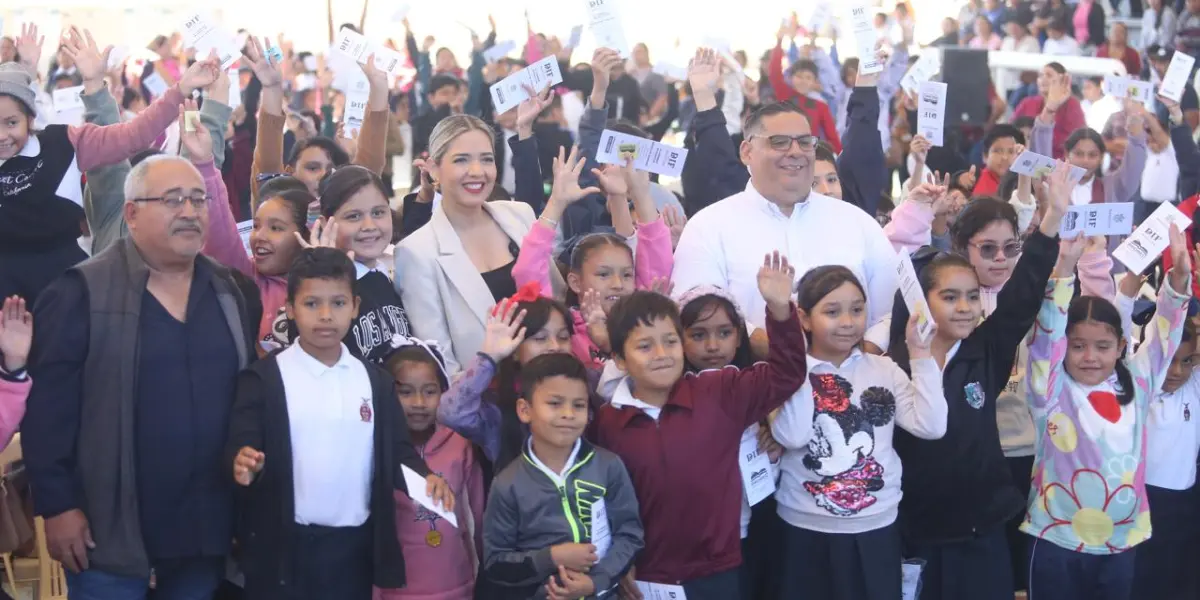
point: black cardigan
(266, 509)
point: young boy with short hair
(679, 435)
(1000, 148)
(317, 439)
(562, 521)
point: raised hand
(198, 141)
(566, 190)
(324, 234)
(591, 308)
(91, 61)
(775, 281)
(248, 463)
(1059, 92)
(1131, 284)
(1069, 251)
(604, 61)
(1135, 120)
(377, 77)
(504, 332)
(426, 192)
(704, 72)
(16, 333)
(348, 143)
(662, 285)
(268, 74)
(918, 348)
(919, 147)
(219, 90)
(530, 108)
(1181, 261)
(675, 221)
(1059, 198)
(29, 45)
(612, 180)
(200, 74)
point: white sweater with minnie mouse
(839, 472)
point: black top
(41, 196)
(960, 486)
(266, 508)
(500, 281)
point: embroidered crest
(364, 411)
(974, 394)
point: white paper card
(821, 15)
(1151, 238)
(667, 68)
(1036, 165)
(416, 490)
(865, 38)
(244, 228)
(925, 68)
(575, 37)
(601, 534)
(356, 111)
(235, 89)
(117, 56)
(910, 582)
(1176, 78)
(931, 109)
(499, 51)
(155, 84)
(660, 591)
(914, 298)
(604, 21)
(68, 99)
(401, 13)
(1097, 219)
(755, 467)
(201, 31)
(73, 116)
(352, 44)
(311, 64)
(1142, 91)
(510, 92)
(648, 155)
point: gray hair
(135, 182)
(448, 130)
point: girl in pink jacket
(440, 559)
(16, 335)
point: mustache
(187, 225)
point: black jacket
(861, 166)
(960, 486)
(266, 508)
(713, 171)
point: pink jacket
(97, 146)
(445, 571)
(911, 226)
(224, 245)
(652, 260)
(12, 407)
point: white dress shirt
(331, 417)
(724, 245)
(624, 397)
(1098, 113)
(1064, 46)
(1172, 437)
(1160, 179)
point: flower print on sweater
(842, 447)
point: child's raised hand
(591, 307)
(675, 220)
(574, 585)
(577, 557)
(1181, 261)
(1069, 251)
(248, 463)
(1131, 284)
(918, 348)
(662, 285)
(16, 333)
(437, 489)
(775, 281)
(324, 234)
(567, 168)
(505, 331)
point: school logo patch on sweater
(974, 394)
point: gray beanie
(15, 81)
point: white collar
(316, 367)
(814, 362)
(361, 270)
(32, 148)
(624, 397)
(773, 209)
(559, 479)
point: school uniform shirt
(840, 473)
(1173, 437)
(381, 317)
(684, 463)
(1088, 493)
(1160, 179)
(724, 245)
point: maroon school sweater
(684, 467)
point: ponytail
(1125, 380)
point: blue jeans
(181, 579)
(1056, 573)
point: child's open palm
(1181, 261)
(775, 280)
(505, 331)
(567, 168)
(16, 333)
(591, 307)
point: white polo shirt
(331, 417)
(1173, 437)
(724, 245)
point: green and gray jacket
(527, 513)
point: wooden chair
(42, 574)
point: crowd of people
(831, 360)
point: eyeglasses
(989, 250)
(783, 143)
(175, 200)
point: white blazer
(444, 295)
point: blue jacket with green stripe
(528, 513)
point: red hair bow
(529, 292)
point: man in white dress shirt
(724, 244)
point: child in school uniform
(318, 441)
(562, 520)
(440, 558)
(1087, 506)
(679, 434)
(1165, 564)
(839, 490)
(16, 337)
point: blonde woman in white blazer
(441, 267)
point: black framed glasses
(783, 143)
(175, 200)
(989, 250)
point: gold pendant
(433, 539)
